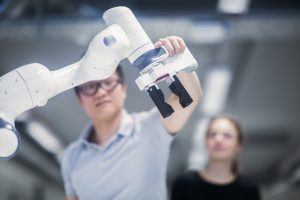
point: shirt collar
(125, 129)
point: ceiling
(15, 9)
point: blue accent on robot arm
(150, 57)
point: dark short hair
(119, 72)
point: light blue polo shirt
(131, 166)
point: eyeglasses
(91, 88)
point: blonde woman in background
(220, 179)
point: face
(222, 140)
(103, 99)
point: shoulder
(146, 115)
(185, 182)
(150, 125)
(247, 184)
(188, 177)
(249, 188)
(148, 121)
(69, 159)
(72, 150)
(70, 153)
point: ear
(79, 100)
(125, 88)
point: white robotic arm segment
(33, 84)
(139, 40)
(9, 140)
(105, 52)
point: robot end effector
(154, 64)
(34, 84)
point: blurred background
(248, 53)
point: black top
(191, 186)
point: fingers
(174, 45)
(158, 44)
(181, 43)
(168, 45)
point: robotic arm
(32, 85)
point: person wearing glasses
(221, 178)
(124, 156)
